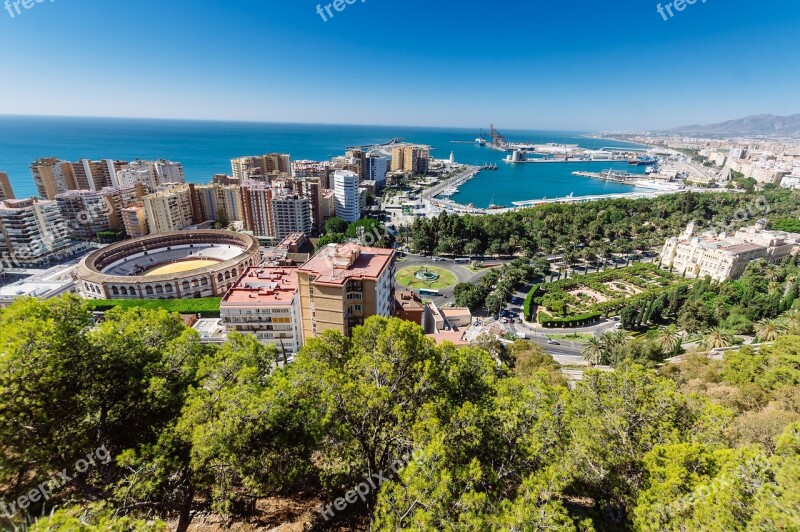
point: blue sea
(205, 148)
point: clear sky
(525, 64)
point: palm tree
(717, 338)
(792, 321)
(772, 273)
(769, 330)
(669, 340)
(594, 351)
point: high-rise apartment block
(342, 285)
(171, 210)
(375, 167)
(265, 302)
(219, 200)
(291, 213)
(134, 219)
(53, 176)
(261, 166)
(348, 203)
(154, 175)
(87, 213)
(5, 187)
(274, 212)
(32, 232)
(411, 158)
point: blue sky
(536, 64)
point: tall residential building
(252, 167)
(171, 210)
(122, 198)
(87, 213)
(327, 205)
(265, 302)
(376, 166)
(52, 177)
(321, 171)
(134, 219)
(411, 158)
(359, 158)
(214, 198)
(151, 174)
(291, 213)
(312, 190)
(348, 204)
(96, 175)
(257, 208)
(32, 232)
(342, 285)
(5, 187)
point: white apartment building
(265, 302)
(726, 257)
(291, 213)
(348, 202)
(32, 233)
(152, 174)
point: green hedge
(528, 308)
(575, 321)
(207, 307)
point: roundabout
(430, 277)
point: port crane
(498, 140)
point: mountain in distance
(756, 126)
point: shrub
(207, 307)
(575, 321)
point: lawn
(447, 279)
(208, 307)
(576, 338)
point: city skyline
(600, 67)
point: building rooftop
(454, 337)
(338, 263)
(743, 248)
(263, 286)
(408, 301)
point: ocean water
(205, 148)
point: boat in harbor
(643, 161)
(480, 141)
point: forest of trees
(587, 230)
(459, 440)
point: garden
(585, 299)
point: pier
(597, 197)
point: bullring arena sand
(180, 267)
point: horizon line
(298, 123)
